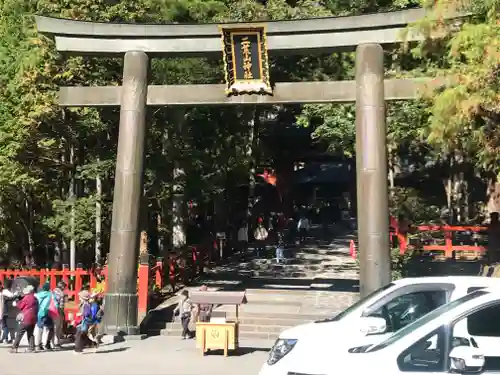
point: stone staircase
(316, 282)
(268, 313)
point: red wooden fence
(182, 268)
(448, 248)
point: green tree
(464, 116)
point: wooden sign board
(246, 63)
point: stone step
(245, 335)
(278, 316)
(243, 328)
(293, 301)
(282, 274)
(246, 324)
(273, 318)
(285, 293)
(262, 319)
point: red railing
(182, 268)
(185, 266)
(75, 280)
(447, 231)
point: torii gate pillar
(371, 170)
(121, 297)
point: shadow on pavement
(238, 353)
(330, 285)
(115, 350)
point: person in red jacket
(28, 310)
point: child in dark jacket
(96, 312)
(27, 318)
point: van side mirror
(371, 325)
(466, 360)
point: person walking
(280, 250)
(260, 234)
(96, 312)
(83, 321)
(183, 309)
(59, 321)
(5, 296)
(27, 317)
(303, 227)
(243, 238)
(45, 321)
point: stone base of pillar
(120, 316)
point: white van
(440, 342)
(369, 321)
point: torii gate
(244, 49)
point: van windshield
(425, 319)
(361, 302)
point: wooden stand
(213, 336)
(218, 334)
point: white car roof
(457, 280)
(443, 314)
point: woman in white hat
(27, 317)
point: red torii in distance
(271, 179)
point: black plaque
(246, 63)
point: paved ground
(156, 355)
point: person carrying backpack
(47, 309)
(59, 321)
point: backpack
(96, 312)
(53, 310)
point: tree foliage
(57, 165)
(466, 114)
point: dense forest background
(57, 165)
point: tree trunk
(64, 251)
(63, 248)
(29, 255)
(458, 186)
(466, 199)
(179, 239)
(493, 196)
(448, 188)
(98, 219)
(72, 198)
(57, 251)
(251, 147)
(159, 238)
(391, 173)
(458, 196)
(178, 230)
